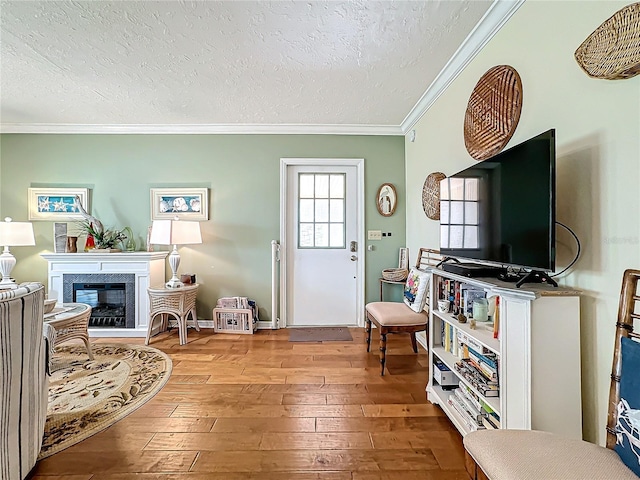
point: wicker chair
(396, 317)
(529, 454)
(73, 326)
(179, 303)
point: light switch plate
(374, 235)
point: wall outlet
(374, 235)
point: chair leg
(414, 344)
(146, 341)
(88, 345)
(194, 317)
(368, 334)
(383, 351)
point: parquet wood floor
(260, 407)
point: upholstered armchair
(23, 379)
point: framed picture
(184, 203)
(57, 204)
(386, 199)
(403, 258)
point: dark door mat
(320, 334)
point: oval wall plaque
(493, 112)
(431, 195)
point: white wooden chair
(531, 454)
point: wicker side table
(179, 303)
(71, 321)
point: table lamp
(175, 232)
(12, 234)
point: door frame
(285, 163)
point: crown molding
(492, 21)
(234, 129)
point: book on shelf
(489, 424)
(469, 295)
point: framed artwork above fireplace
(58, 204)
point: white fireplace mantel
(148, 267)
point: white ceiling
(359, 66)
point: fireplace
(136, 270)
(111, 297)
(107, 301)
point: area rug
(85, 396)
(320, 334)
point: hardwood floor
(260, 407)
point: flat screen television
(502, 210)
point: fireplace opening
(107, 300)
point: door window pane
(322, 186)
(336, 234)
(336, 210)
(336, 187)
(306, 234)
(322, 235)
(306, 210)
(306, 186)
(322, 211)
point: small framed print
(403, 258)
(58, 204)
(184, 203)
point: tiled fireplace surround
(147, 267)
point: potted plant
(103, 239)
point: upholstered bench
(532, 455)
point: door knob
(353, 258)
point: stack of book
(467, 409)
(485, 386)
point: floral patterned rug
(85, 396)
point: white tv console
(538, 351)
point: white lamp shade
(16, 234)
(175, 232)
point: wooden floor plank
(316, 441)
(261, 407)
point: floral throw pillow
(628, 409)
(416, 289)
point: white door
(323, 243)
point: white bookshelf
(538, 349)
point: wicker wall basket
(431, 195)
(493, 112)
(612, 51)
(395, 274)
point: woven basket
(493, 112)
(395, 274)
(612, 51)
(431, 195)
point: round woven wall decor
(612, 51)
(431, 195)
(493, 112)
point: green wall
(242, 173)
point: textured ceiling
(227, 63)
